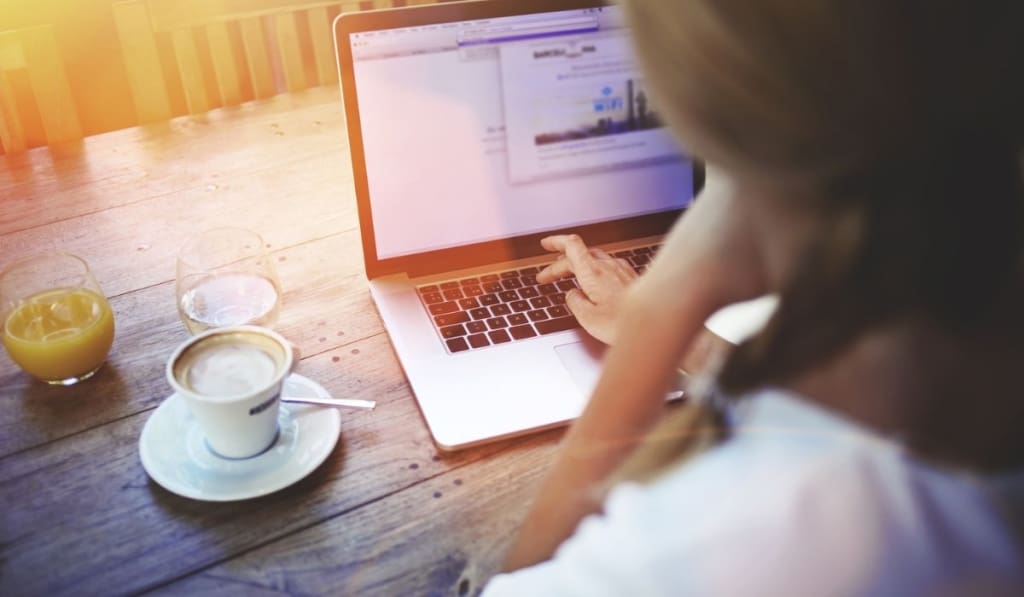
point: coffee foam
(229, 365)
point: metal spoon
(342, 402)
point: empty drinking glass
(225, 278)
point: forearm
(629, 398)
(709, 260)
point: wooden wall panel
(191, 72)
(223, 58)
(289, 45)
(168, 15)
(257, 58)
(35, 50)
(141, 61)
(12, 131)
(323, 45)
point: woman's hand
(602, 281)
(725, 249)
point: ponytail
(937, 238)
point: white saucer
(174, 452)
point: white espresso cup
(231, 380)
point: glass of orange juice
(58, 326)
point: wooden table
(386, 514)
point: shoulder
(796, 503)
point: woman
(869, 440)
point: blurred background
(98, 65)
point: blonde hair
(894, 115)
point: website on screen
(482, 130)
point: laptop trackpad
(583, 361)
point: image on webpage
(614, 110)
(577, 104)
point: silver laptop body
(476, 129)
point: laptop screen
(487, 129)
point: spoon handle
(330, 401)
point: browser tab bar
(523, 31)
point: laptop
(476, 129)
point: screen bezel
(476, 254)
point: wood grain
(160, 227)
(393, 547)
(326, 304)
(147, 163)
(78, 514)
(293, 197)
(98, 524)
(255, 159)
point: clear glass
(58, 326)
(224, 278)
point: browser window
(482, 130)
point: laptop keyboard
(506, 306)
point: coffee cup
(231, 379)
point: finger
(556, 242)
(579, 304)
(556, 271)
(625, 269)
(589, 316)
(572, 247)
(597, 253)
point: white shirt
(798, 502)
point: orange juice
(60, 334)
